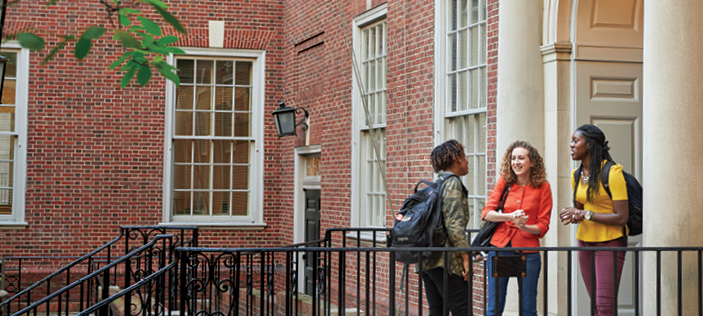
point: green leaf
(31, 41)
(51, 2)
(168, 40)
(171, 20)
(159, 50)
(85, 43)
(128, 40)
(150, 26)
(127, 11)
(167, 71)
(147, 39)
(120, 60)
(144, 75)
(138, 58)
(156, 4)
(83, 47)
(136, 28)
(93, 32)
(176, 50)
(127, 77)
(124, 20)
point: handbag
(483, 238)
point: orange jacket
(537, 204)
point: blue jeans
(533, 264)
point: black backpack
(419, 222)
(634, 195)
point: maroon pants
(606, 287)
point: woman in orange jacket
(524, 220)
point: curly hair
(444, 155)
(538, 172)
(598, 151)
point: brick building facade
(98, 157)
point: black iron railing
(135, 266)
(355, 275)
(360, 279)
(20, 274)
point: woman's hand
(519, 218)
(571, 215)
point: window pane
(242, 124)
(223, 98)
(452, 51)
(186, 70)
(184, 97)
(184, 123)
(474, 45)
(7, 118)
(242, 99)
(203, 74)
(8, 91)
(223, 124)
(463, 98)
(463, 14)
(221, 177)
(481, 175)
(10, 65)
(462, 49)
(202, 151)
(240, 203)
(241, 151)
(201, 177)
(243, 75)
(224, 70)
(204, 98)
(240, 177)
(181, 203)
(201, 203)
(453, 15)
(181, 177)
(220, 203)
(202, 123)
(182, 151)
(221, 151)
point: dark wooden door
(312, 232)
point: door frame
(302, 182)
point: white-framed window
(214, 139)
(368, 190)
(460, 90)
(13, 136)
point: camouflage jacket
(455, 213)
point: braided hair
(444, 155)
(598, 151)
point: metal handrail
(62, 270)
(129, 289)
(123, 229)
(95, 273)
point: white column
(673, 149)
(520, 112)
(520, 100)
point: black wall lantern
(284, 117)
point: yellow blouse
(590, 231)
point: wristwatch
(588, 216)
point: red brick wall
(95, 152)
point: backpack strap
(605, 177)
(577, 178)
